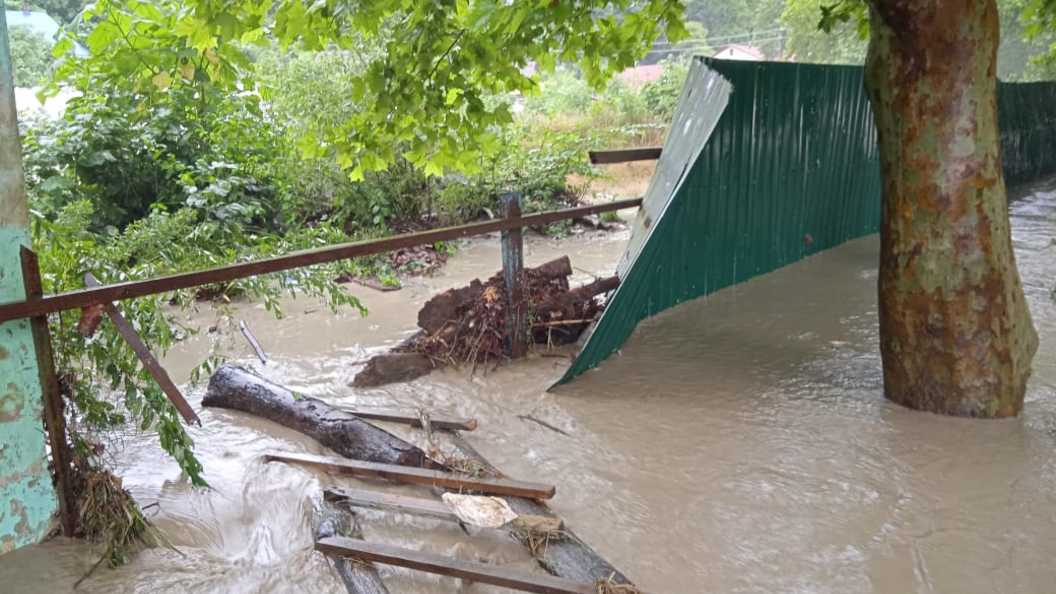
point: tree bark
(956, 335)
(239, 389)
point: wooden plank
(54, 417)
(420, 476)
(184, 280)
(150, 363)
(651, 153)
(447, 424)
(450, 566)
(418, 506)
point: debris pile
(468, 325)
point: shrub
(661, 95)
(618, 116)
(560, 92)
(214, 156)
(537, 163)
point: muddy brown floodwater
(738, 443)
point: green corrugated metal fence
(790, 169)
(1027, 112)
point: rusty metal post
(54, 417)
(27, 497)
(513, 275)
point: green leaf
(162, 80)
(62, 47)
(433, 169)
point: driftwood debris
(237, 388)
(416, 421)
(234, 387)
(468, 325)
(253, 342)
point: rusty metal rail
(185, 280)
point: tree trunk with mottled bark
(955, 332)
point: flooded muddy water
(738, 443)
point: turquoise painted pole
(27, 498)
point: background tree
(30, 56)
(844, 43)
(63, 11)
(1020, 57)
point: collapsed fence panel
(790, 169)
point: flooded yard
(738, 443)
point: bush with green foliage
(306, 93)
(213, 154)
(662, 94)
(537, 164)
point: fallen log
(237, 388)
(578, 295)
(360, 577)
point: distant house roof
(38, 22)
(640, 75)
(737, 51)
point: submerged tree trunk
(359, 577)
(955, 332)
(237, 388)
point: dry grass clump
(537, 532)
(111, 518)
